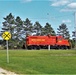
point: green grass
(40, 61)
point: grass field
(40, 61)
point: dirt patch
(5, 72)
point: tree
(48, 30)
(37, 28)
(27, 27)
(63, 31)
(18, 28)
(74, 35)
(74, 38)
(8, 24)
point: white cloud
(59, 2)
(24, 1)
(72, 5)
(69, 7)
(66, 21)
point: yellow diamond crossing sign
(6, 35)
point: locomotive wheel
(29, 47)
(35, 47)
(38, 47)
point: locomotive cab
(62, 43)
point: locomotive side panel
(56, 42)
(41, 40)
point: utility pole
(75, 27)
(75, 19)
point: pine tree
(37, 28)
(48, 30)
(27, 26)
(63, 30)
(8, 24)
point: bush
(1, 47)
(73, 43)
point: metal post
(49, 47)
(7, 52)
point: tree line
(19, 29)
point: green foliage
(8, 23)
(72, 43)
(18, 28)
(28, 26)
(63, 30)
(40, 61)
(1, 47)
(48, 30)
(37, 28)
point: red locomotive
(42, 42)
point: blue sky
(54, 12)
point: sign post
(7, 52)
(6, 36)
(49, 47)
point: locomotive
(42, 42)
